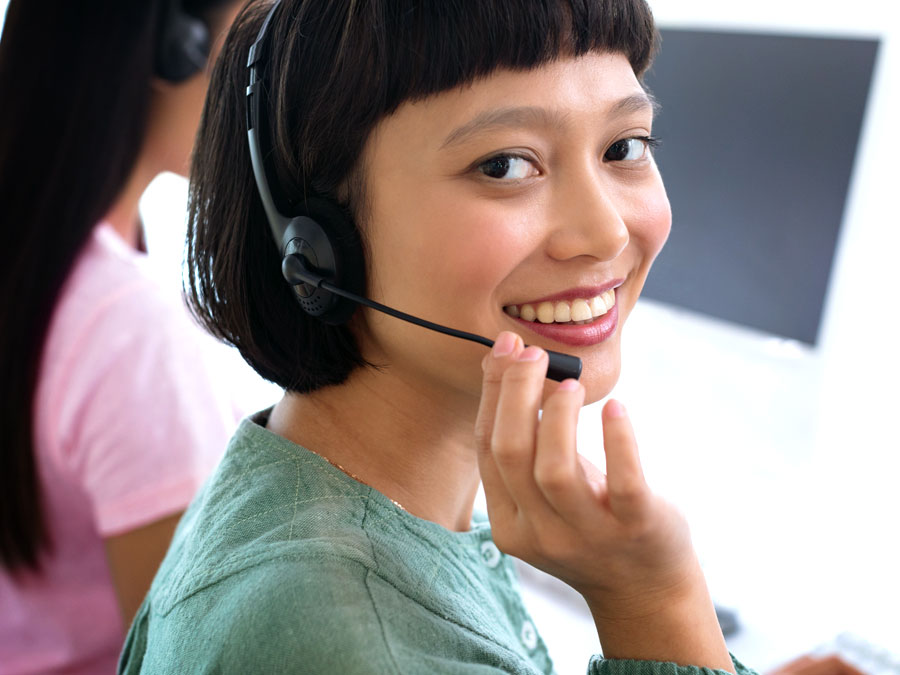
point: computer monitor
(759, 134)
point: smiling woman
(483, 165)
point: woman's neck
(412, 445)
(123, 214)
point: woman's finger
(819, 665)
(557, 469)
(515, 427)
(595, 478)
(625, 482)
(506, 349)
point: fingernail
(505, 344)
(531, 354)
(568, 385)
(615, 409)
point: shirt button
(529, 635)
(490, 554)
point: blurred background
(761, 370)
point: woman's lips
(577, 309)
(577, 335)
(565, 321)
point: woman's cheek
(649, 223)
(477, 248)
(654, 219)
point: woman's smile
(579, 317)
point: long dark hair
(75, 81)
(337, 68)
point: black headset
(317, 230)
(320, 248)
(183, 46)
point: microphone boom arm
(561, 366)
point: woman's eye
(629, 149)
(507, 167)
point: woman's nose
(587, 222)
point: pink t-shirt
(129, 421)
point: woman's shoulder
(127, 402)
(269, 566)
(111, 310)
(295, 612)
(269, 506)
(112, 291)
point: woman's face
(526, 195)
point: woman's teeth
(565, 311)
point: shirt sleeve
(152, 420)
(600, 666)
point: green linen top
(285, 564)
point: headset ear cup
(183, 47)
(328, 240)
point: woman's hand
(608, 536)
(817, 665)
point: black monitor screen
(759, 134)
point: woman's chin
(598, 380)
(600, 375)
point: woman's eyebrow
(522, 116)
(533, 116)
(636, 103)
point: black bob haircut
(338, 67)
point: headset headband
(259, 132)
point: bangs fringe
(332, 52)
